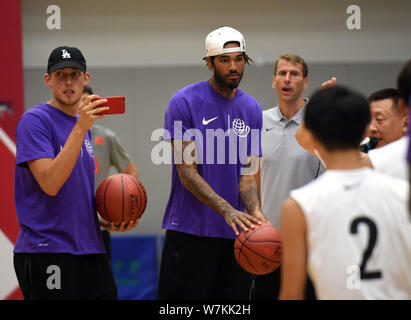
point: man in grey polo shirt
(285, 165)
(108, 152)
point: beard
(223, 82)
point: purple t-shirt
(225, 132)
(409, 148)
(68, 221)
(409, 133)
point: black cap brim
(67, 64)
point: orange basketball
(258, 251)
(121, 197)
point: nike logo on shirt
(268, 129)
(352, 185)
(206, 122)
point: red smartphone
(117, 105)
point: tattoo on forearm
(193, 182)
(249, 193)
(202, 191)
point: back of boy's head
(337, 117)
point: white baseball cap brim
(216, 40)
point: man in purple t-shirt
(59, 252)
(214, 128)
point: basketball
(121, 197)
(258, 251)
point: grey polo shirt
(285, 165)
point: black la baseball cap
(66, 57)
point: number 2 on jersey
(366, 275)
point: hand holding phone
(117, 105)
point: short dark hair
(404, 82)
(247, 58)
(88, 90)
(388, 93)
(337, 117)
(292, 58)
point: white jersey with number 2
(358, 235)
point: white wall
(161, 32)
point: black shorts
(267, 287)
(107, 243)
(55, 276)
(194, 267)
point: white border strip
(8, 141)
(8, 277)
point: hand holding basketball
(121, 201)
(258, 251)
(122, 227)
(260, 216)
(243, 220)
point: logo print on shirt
(206, 122)
(240, 128)
(66, 55)
(351, 185)
(89, 147)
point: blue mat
(134, 263)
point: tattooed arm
(249, 191)
(184, 151)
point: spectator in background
(388, 123)
(285, 165)
(108, 152)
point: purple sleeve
(177, 119)
(33, 140)
(409, 147)
(409, 134)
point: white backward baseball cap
(216, 40)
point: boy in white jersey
(349, 229)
